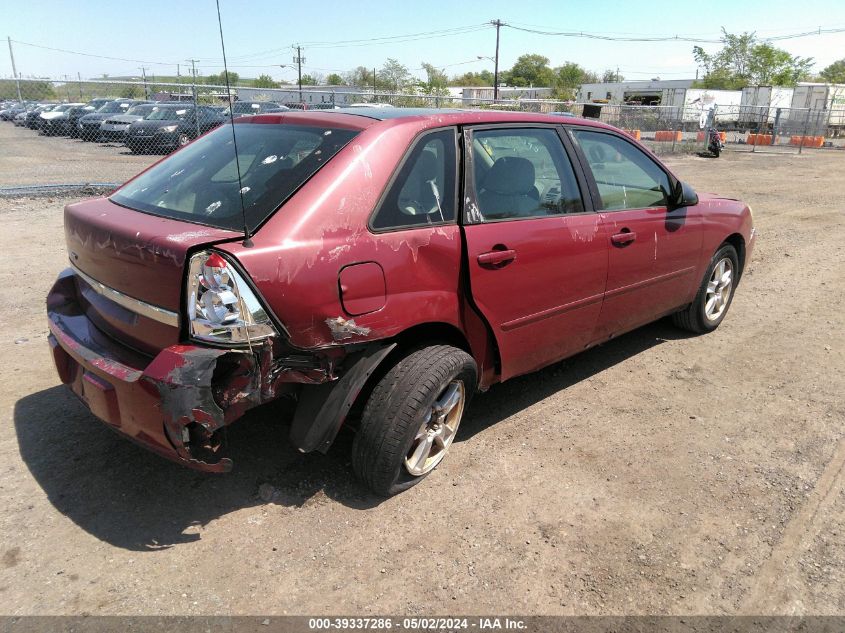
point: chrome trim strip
(137, 306)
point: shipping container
(821, 107)
(692, 106)
(759, 106)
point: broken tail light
(221, 306)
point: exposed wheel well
(736, 240)
(412, 338)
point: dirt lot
(28, 158)
(657, 474)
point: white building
(647, 92)
(505, 92)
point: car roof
(362, 118)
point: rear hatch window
(200, 183)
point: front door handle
(497, 259)
(624, 238)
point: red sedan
(377, 266)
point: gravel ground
(28, 158)
(657, 474)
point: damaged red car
(378, 267)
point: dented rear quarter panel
(298, 254)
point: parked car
(33, 120)
(360, 264)
(20, 119)
(56, 121)
(74, 114)
(170, 127)
(89, 125)
(114, 128)
(12, 109)
(250, 108)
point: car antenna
(247, 242)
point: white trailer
(820, 105)
(692, 105)
(759, 105)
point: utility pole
(498, 24)
(298, 61)
(194, 90)
(374, 83)
(144, 75)
(79, 83)
(14, 70)
(67, 86)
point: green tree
(835, 73)
(611, 75)
(361, 77)
(311, 80)
(472, 79)
(531, 70)
(394, 75)
(569, 77)
(743, 61)
(436, 80)
(220, 80)
(334, 80)
(265, 81)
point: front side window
(522, 173)
(625, 176)
(200, 182)
(424, 190)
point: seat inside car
(509, 189)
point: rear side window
(200, 182)
(424, 189)
(522, 173)
(626, 178)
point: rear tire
(714, 296)
(411, 417)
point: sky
(159, 34)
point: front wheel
(411, 418)
(714, 296)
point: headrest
(426, 166)
(510, 175)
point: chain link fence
(155, 118)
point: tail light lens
(221, 306)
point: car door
(537, 257)
(653, 248)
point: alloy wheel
(437, 431)
(719, 289)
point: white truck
(692, 105)
(821, 107)
(759, 106)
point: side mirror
(685, 195)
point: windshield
(168, 114)
(200, 182)
(113, 106)
(140, 110)
(60, 108)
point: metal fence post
(804, 133)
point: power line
(667, 38)
(118, 59)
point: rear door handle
(497, 259)
(624, 238)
